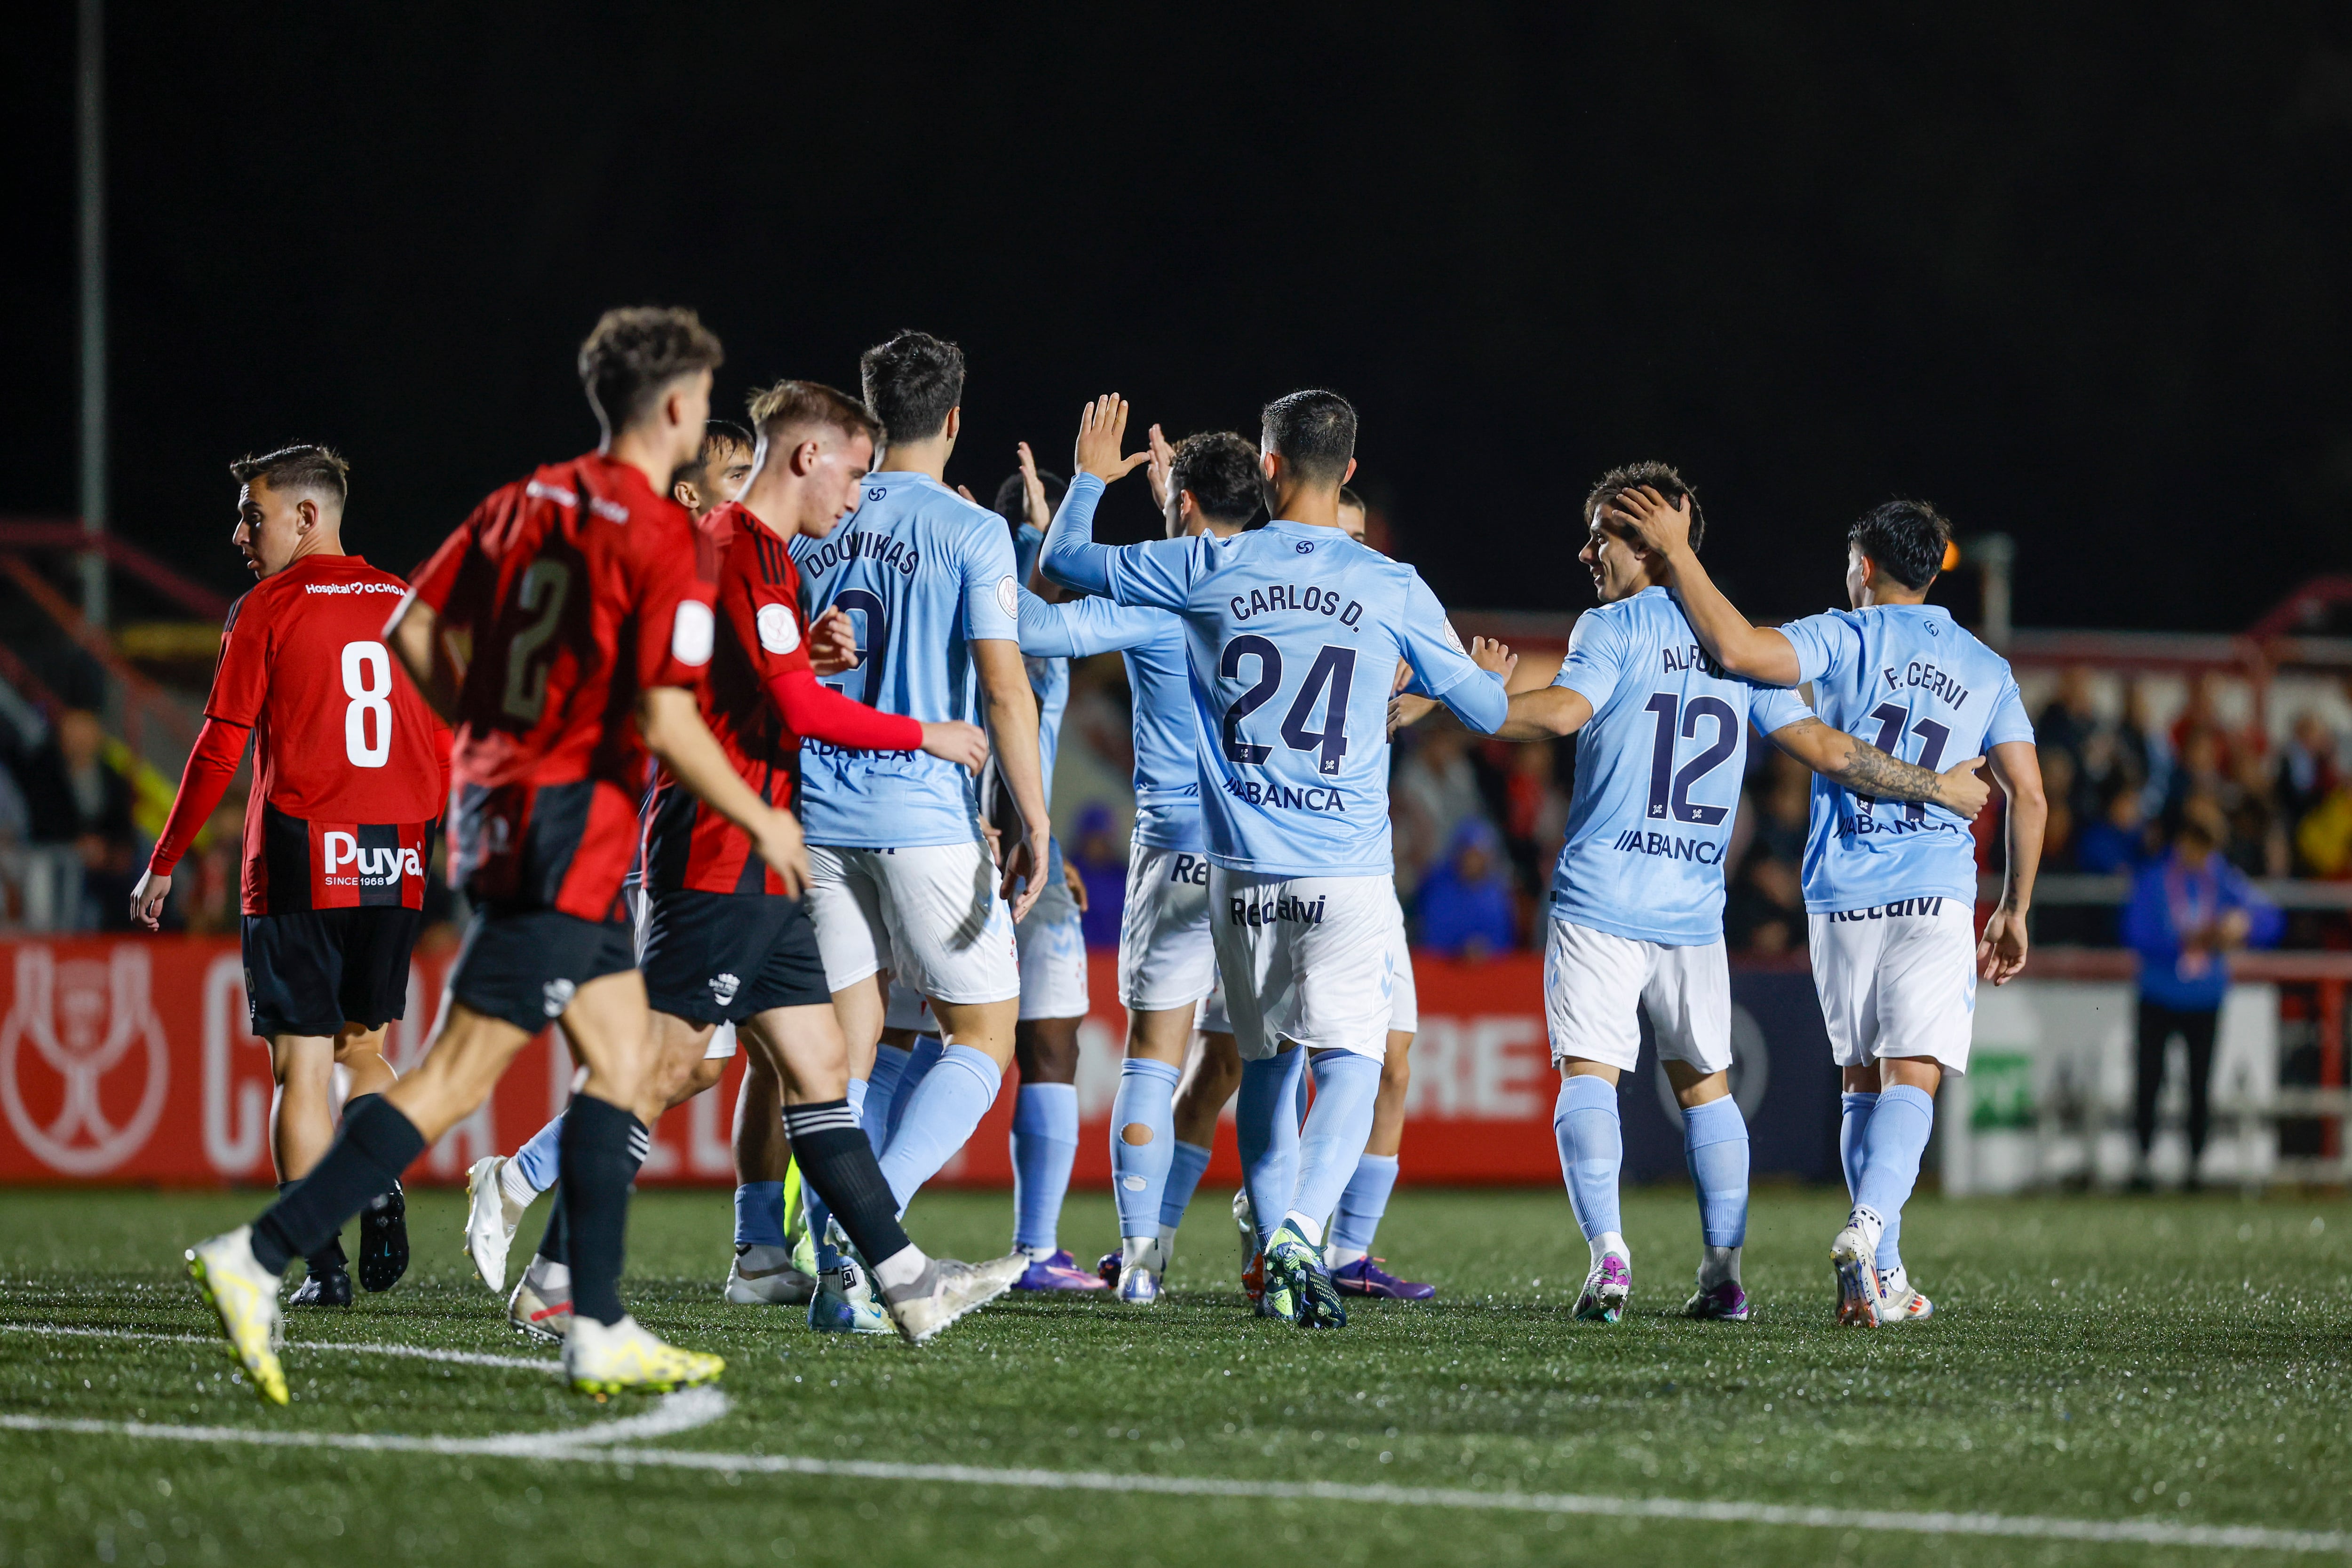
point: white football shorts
(1405, 1002)
(905, 1009)
(1165, 956)
(1593, 981)
(930, 914)
(1897, 979)
(1210, 1017)
(1053, 943)
(1306, 958)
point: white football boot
(1854, 1256)
(762, 1276)
(1901, 1303)
(844, 1302)
(947, 1291)
(541, 1304)
(622, 1358)
(491, 1217)
(244, 1296)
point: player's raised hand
(833, 643)
(1489, 654)
(780, 843)
(953, 740)
(1661, 529)
(1102, 432)
(1960, 790)
(1033, 489)
(147, 900)
(2000, 951)
(1162, 469)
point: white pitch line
(411, 1352)
(683, 1411)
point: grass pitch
(2174, 1364)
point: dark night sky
(2082, 274)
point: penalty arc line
(680, 1412)
(411, 1352)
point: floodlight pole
(1994, 556)
(91, 127)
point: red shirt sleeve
(434, 582)
(677, 625)
(817, 712)
(241, 679)
(211, 764)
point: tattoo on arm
(1870, 771)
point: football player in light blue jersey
(1294, 771)
(901, 875)
(1637, 902)
(1053, 947)
(1890, 889)
(1208, 486)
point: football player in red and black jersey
(350, 772)
(563, 628)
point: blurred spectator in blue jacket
(2189, 909)
(2117, 841)
(1101, 865)
(1465, 906)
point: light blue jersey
(1150, 643)
(1658, 768)
(1049, 682)
(921, 571)
(1911, 681)
(1293, 753)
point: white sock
(1310, 1228)
(1340, 1257)
(1607, 1243)
(763, 1254)
(1142, 1250)
(511, 1186)
(1872, 1224)
(1036, 1254)
(1167, 1241)
(903, 1267)
(548, 1276)
(1717, 1264)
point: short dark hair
(1012, 500)
(1658, 476)
(911, 383)
(1348, 497)
(794, 406)
(721, 433)
(1219, 468)
(1314, 431)
(318, 469)
(1907, 539)
(636, 352)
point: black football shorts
(721, 957)
(525, 965)
(310, 971)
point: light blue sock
(919, 1062)
(1365, 1199)
(1856, 1108)
(1591, 1150)
(1896, 1138)
(1185, 1169)
(882, 1089)
(941, 1115)
(536, 1159)
(1138, 1171)
(1715, 1144)
(1268, 1131)
(1045, 1141)
(760, 1213)
(1331, 1145)
(1304, 1079)
(829, 1256)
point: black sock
(837, 1162)
(601, 1149)
(327, 1259)
(555, 1245)
(367, 1157)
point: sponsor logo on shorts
(556, 996)
(1669, 846)
(1190, 869)
(723, 989)
(1899, 909)
(1267, 912)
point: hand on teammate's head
(1653, 523)
(1102, 433)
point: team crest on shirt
(723, 989)
(1008, 596)
(779, 633)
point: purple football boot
(1365, 1277)
(1606, 1290)
(1723, 1302)
(1058, 1272)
